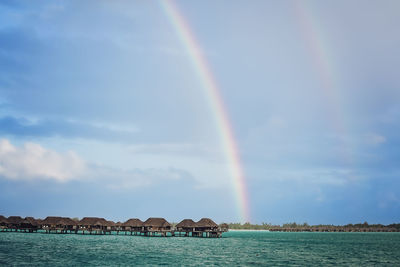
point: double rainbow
(211, 89)
(319, 50)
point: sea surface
(239, 248)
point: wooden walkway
(170, 233)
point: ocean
(235, 248)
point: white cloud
(32, 161)
(150, 164)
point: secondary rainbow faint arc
(211, 89)
(324, 65)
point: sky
(103, 113)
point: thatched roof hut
(110, 225)
(186, 225)
(58, 222)
(53, 221)
(3, 220)
(206, 224)
(224, 227)
(15, 220)
(18, 222)
(133, 223)
(156, 224)
(32, 221)
(68, 221)
(93, 222)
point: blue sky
(102, 114)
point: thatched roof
(56, 220)
(206, 222)
(52, 220)
(93, 221)
(133, 223)
(156, 222)
(16, 220)
(224, 225)
(31, 220)
(110, 223)
(3, 219)
(186, 223)
(68, 221)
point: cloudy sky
(103, 114)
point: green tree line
(268, 226)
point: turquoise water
(235, 248)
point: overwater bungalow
(3, 222)
(14, 222)
(132, 225)
(186, 226)
(17, 223)
(52, 223)
(118, 226)
(32, 221)
(224, 227)
(34, 226)
(156, 225)
(58, 224)
(110, 226)
(69, 224)
(207, 226)
(39, 222)
(93, 224)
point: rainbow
(211, 89)
(323, 61)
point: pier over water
(100, 226)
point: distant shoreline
(321, 230)
(294, 227)
(248, 230)
(300, 231)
